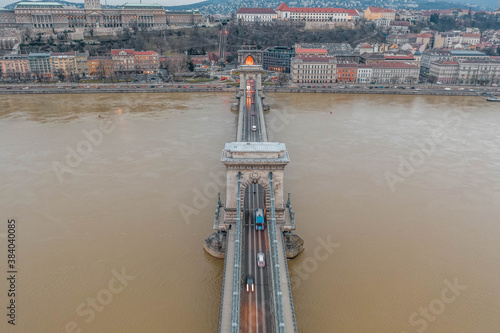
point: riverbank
(423, 90)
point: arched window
(249, 60)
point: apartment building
(313, 69)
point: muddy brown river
(396, 197)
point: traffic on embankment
(418, 89)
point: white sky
(4, 3)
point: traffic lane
(264, 293)
(256, 312)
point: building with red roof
(311, 51)
(444, 71)
(147, 62)
(128, 61)
(347, 72)
(286, 13)
(256, 15)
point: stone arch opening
(265, 187)
(249, 60)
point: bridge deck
(252, 318)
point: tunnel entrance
(249, 60)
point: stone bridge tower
(254, 160)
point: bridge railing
(235, 311)
(292, 213)
(258, 115)
(223, 283)
(288, 280)
(275, 266)
(244, 113)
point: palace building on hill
(43, 15)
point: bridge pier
(215, 244)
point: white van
(254, 128)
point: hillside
(231, 6)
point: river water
(404, 190)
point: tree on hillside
(434, 18)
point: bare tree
(60, 74)
(282, 79)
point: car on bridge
(259, 219)
(254, 128)
(250, 284)
(261, 260)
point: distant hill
(231, 6)
(441, 5)
(197, 5)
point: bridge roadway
(256, 307)
(257, 313)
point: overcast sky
(121, 2)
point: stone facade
(46, 15)
(444, 71)
(256, 15)
(306, 14)
(255, 160)
(313, 69)
(15, 66)
(255, 55)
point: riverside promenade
(6, 89)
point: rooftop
(380, 10)
(314, 58)
(347, 64)
(283, 7)
(446, 62)
(239, 153)
(39, 4)
(143, 5)
(309, 51)
(145, 53)
(467, 53)
(255, 11)
(116, 51)
(386, 64)
(399, 57)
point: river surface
(114, 194)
